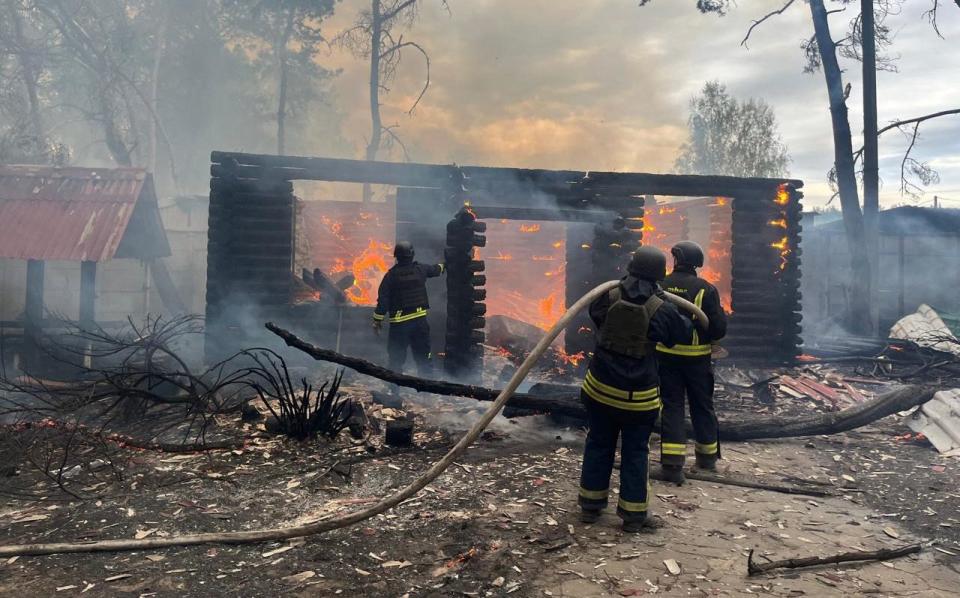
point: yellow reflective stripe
(706, 449)
(606, 388)
(621, 404)
(442, 267)
(594, 494)
(672, 448)
(686, 350)
(378, 317)
(399, 316)
(633, 507)
(698, 301)
(626, 395)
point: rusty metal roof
(73, 214)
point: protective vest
(696, 348)
(625, 328)
(408, 289)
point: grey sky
(604, 84)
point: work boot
(589, 515)
(707, 462)
(647, 525)
(673, 474)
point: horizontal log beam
(439, 176)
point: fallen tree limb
(124, 441)
(901, 399)
(885, 554)
(729, 480)
(324, 525)
(564, 400)
(562, 405)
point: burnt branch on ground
(301, 411)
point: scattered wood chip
(276, 551)
(672, 566)
(156, 558)
(891, 532)
(497, 582)
(143, 533)
(118, 577)
(293, 484)
(65, 588)
(361, 571)
(299, 577)
(30, 518)
(397, 564)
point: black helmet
(688, 253)
(648, 263)
(403, 250)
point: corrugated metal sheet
(939, 421)
(73, 214)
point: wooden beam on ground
(556, 400)
(559, 405)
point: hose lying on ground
(324, 525)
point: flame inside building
(536, 241)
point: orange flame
(502, 256)
(783, 195)
(368, 269)
(781, 223)
(573, 360)
(558, 245)
(529, 228)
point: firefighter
(621, 392)
(686, 370)
(402, 301)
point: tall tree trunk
(282, 57)
(871, 171)
(859, 319)
(155, 90)
(376, 126)
(30, 74)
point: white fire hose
(387, 503)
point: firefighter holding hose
(402, 301)
(686, 370)
(621, 389)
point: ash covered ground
(501, 521)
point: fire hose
(387, 503)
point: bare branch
(764, 18)
(931, 16)
(389, 15)
(918, 119)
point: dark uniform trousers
(685, 379)
(633, 428)
(415, 335)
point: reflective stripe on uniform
(399, 316)
(639, 400)
(695, 349)
(707, 449)
(594, 494)
(673, 448)
(378, 317)
(632, 507)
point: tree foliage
(732, 137)
(157, 83)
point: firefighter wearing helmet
(402, 301)
(686, 370)
(621, 388)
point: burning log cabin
(576, 229)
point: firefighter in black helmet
(686, 370)
(621, 391)
(402, 301)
